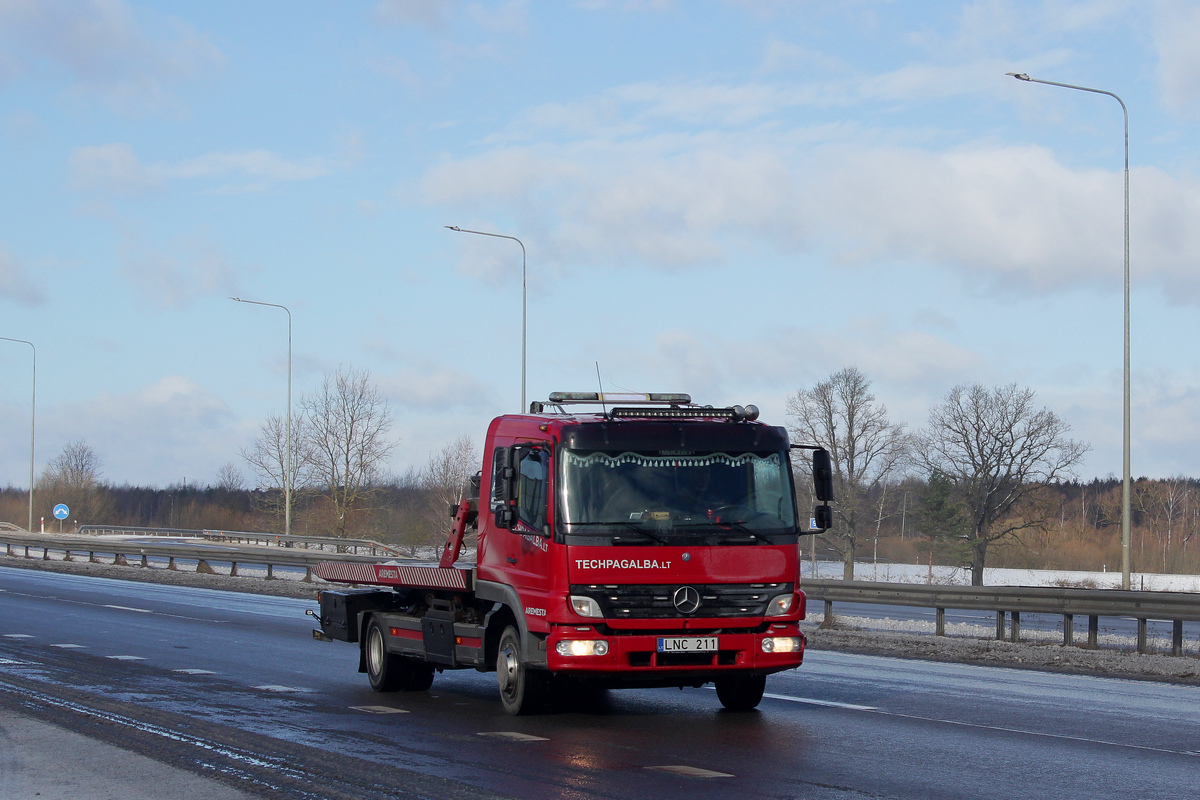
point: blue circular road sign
(61, 511)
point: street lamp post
(287, 468)
(524, 408)
(1126, 536)
(32, 426)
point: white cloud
(430, 386)
(261, 164)
(1011, 216)
(194, 270)
(112, 169)
(432, 14)
(157, 435)
(1177, 38)
(116, 169)
(103, 49)
(15, 284)
(396, 68)
(510, 16)
(635, 6)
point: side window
(533, 473)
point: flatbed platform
(411, 575)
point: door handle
(511, 560)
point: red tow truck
(622, 541)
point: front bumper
(633, 656)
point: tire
(382, 667)
(389, 672)
(522, 690)
(741, 692)
(418, 675)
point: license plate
(688, 644)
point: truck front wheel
(522, 691)
(741, 692)
(389, 672)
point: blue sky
(733, 199)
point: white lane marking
(814, 702)
(129, 608)
(69, 646)
(144, 610)
(513, 736)
(691, 772)
(378, 710)
(273, 687)
(981, 726)
(126, 658)
(18, 636)
(195, 671)
(1040, 734)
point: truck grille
(658, 601)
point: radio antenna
(603, 406)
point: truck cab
(635, 540)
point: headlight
(585, 606)
(781, 605)
(582, 647)
(781, 644)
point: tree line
(989, 481)
(336, 467)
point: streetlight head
(453, 228)
(1021, 76)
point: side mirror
(822, 470)
(824, 517)
(504, 488)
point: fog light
(582, 647)
(781, 644)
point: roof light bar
(634, 398)
(736, 413)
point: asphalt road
(231, 689)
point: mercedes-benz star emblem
(686, 599)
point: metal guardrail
(1006, 601)
(270, 557)
(1012, 601)
(338, 544)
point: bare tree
(77, 467)
(443, 479)
(997, 453)
(348, 423)
(267, 458)
(230, 478)
(1162, 504)
(73, 478)
(867, 451)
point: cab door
(529, 546)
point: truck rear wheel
(522, 691)
(741, 692)
(389, 672)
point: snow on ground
(959, 576)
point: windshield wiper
(727, 531)
(628, 525)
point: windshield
(665, 497)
